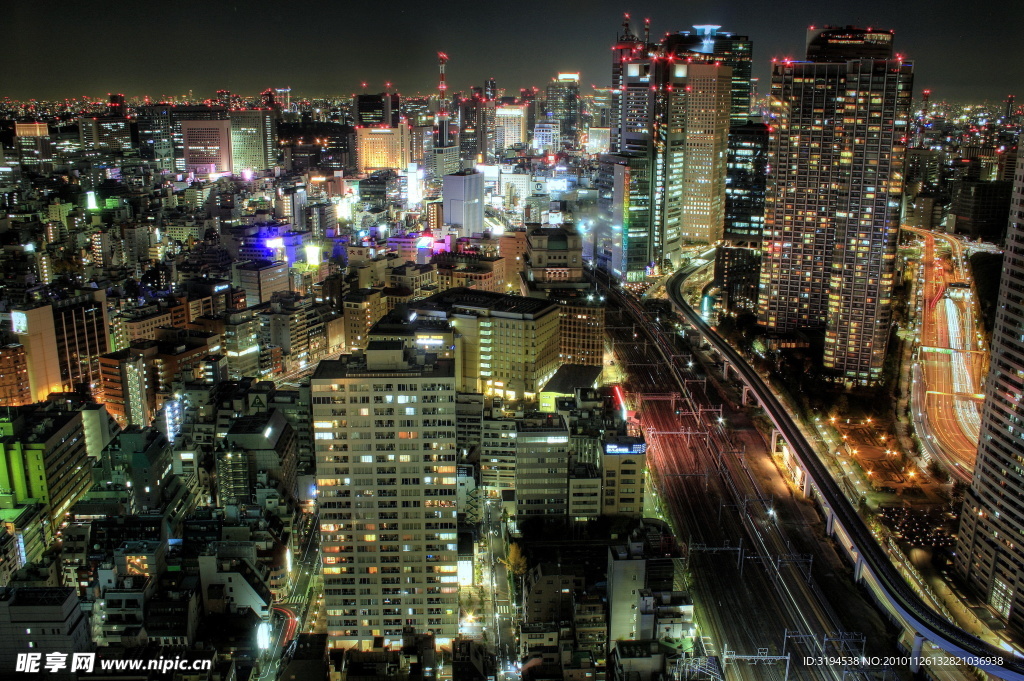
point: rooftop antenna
(442, 92)
(647, 31)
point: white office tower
(384, 430)
(463, 196)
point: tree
(515, 561)
(956, 497)
(937, 471)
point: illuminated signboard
(312, 254)
(635, 448)
(19, 322)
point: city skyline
(357, 46)
(720, 364)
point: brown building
(362, 309)
(136, 381)
(14, 386)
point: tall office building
(63, 341)
(156, 135)
(746, 183)
(476, 127)
(562, 105)
(738, 261)
(691, 156)
(110, 132)
(253, 139)
(708, 44)
(627, 47)
(44, 460)
(622, 237)
(988, 554)
(840, 123)
(176, 115)
(382, 148)
(206, 146)
(384, 428)
(463, 196)
(35, 146)
(670, 132)
(376, 110)
(509, 126)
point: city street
(293, 611)
(500, 610)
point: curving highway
(949, 372)
(872, 565)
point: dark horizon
(328, 50)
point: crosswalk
(505, 609)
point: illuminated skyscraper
(708, 44)
(156, 135)
(109, 132)
(989, 554)
(840, 124)
(690, 161)
(669, 138)
(382, 109)
(738, 261)
(562, 105)
(626, 48)
(382, 148)
(509, 126)
(384, 427)
(175, 116)
(207, 146)
(253, 139)
(35, 146)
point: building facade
(989, 552)
(840, 122)
(384, 428)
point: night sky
(963, 51)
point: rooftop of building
(461, 298)
(36, 595)
(641, 649)
(570, 377)
(354, 366)
(537, 422)
(34, 422)
(402, 322)
(257, 265)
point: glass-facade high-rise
(670, 130)
(990, 548)
(562, 105)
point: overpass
(871, 564)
